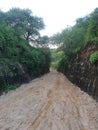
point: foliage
(8, 87)
(56, 56)
(93, 58)
(93, 25)
(25, 23)
(56, 39)
(72, 39)
(20, 62)
(63, 64)
(37, 61)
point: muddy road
(51, 102)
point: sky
(57, 14)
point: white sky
(57, 14)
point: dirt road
(48, 103)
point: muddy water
(48, 103)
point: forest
(25, 55)
(19, 61)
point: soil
(50, 102)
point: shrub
(8, 87)
(56, 57)
(36, 61)
(93, 58)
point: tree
(93, 25)
(20, 62)
(43, 41)
(25, 24)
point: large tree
(24, 23)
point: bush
(32, 63)
(56, 56)
(8, 87)
(36, 61)
(93, 58)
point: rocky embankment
(83, 72)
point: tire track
(51, 102)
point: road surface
(51, 102)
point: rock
(84, 74)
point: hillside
(84, 73)
(79, 44)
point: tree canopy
(18, 27)
(23, 22)
(73, 38)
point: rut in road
(51, 102)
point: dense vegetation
(72, 39)
(19, 62)
(56, 56)
(80, 46)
